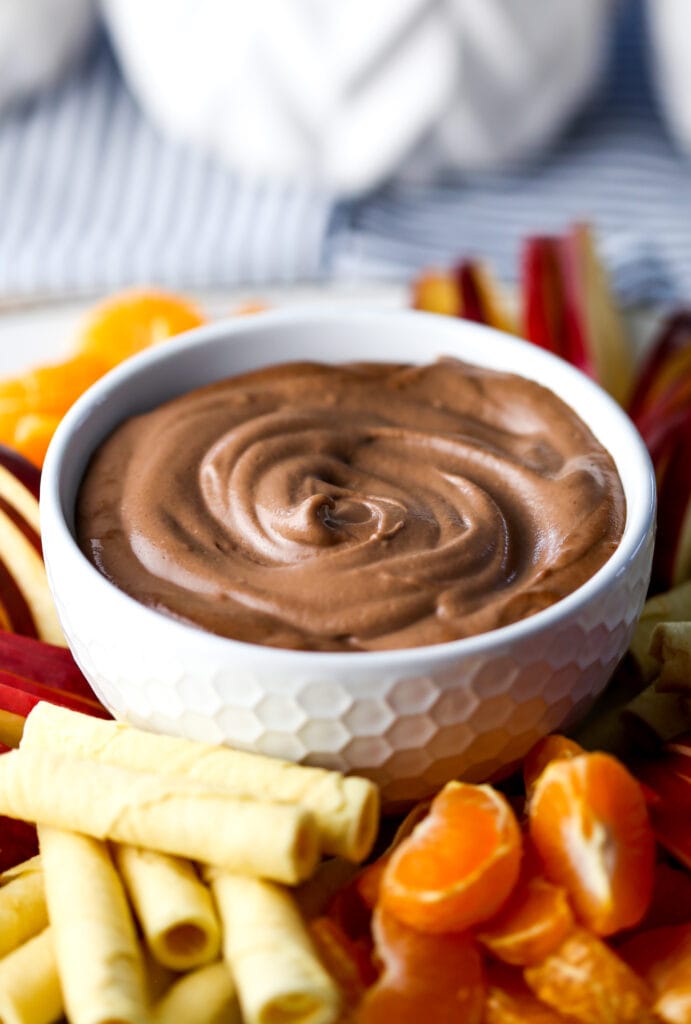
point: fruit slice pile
(537, 909)
(26, 605)
(31, 406)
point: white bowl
(410, 719)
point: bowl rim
(638, 525)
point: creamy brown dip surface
(354, 507)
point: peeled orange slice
(131, 321)
(460, 863)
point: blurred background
(201, 146)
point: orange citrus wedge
(460, 863)
(590, 826)
(131, 321)
(535, 920)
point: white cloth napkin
(39, 39)
(340, 93)
(670, 32)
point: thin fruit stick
(19, 696)
(11, 728)
(44, 663)
(25, 565)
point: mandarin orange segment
(585, 980)
(536, 919)
(510, 1001)
(589, 823)
(673, 1005)
(346, 961)
(460, 863)
(33, 434)
(550, 748)
(437, 292)
(8, 425)
(658, 954)
(133, 320)
(53, 389)
(432, 978)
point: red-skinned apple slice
(18, 839)
(543, 298)
(665, 376)
(568, 308)
(24, 471)
(18, 842)
(605, 335)
(669, 448)
(24, 593)
(551, 319)
(43, 663)
(20, 696)
(482, 299)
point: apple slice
(11, 729)
(670, 445)
(25, 599)
(20, 696)
(24, 471)
(43, 663)
(18, 842)
(482, 299)
(569, 309)
(469, 291)
(664, 380)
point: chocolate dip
(352, 508)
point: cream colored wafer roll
(30, 990)
(96, 947)
(159, 812)
(346, 808)
(173, 906)
(23, 911)
(278, 974)
(204, 996)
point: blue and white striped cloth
(92, 198)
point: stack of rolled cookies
(161, 890)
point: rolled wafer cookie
(23, 911)
(30, 991)
(96, 948)
(204, 996)
(346, 808)
(268, 949)
(159, 812)
(173, 906)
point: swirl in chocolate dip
(352, 508)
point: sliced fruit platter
(559, 894)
